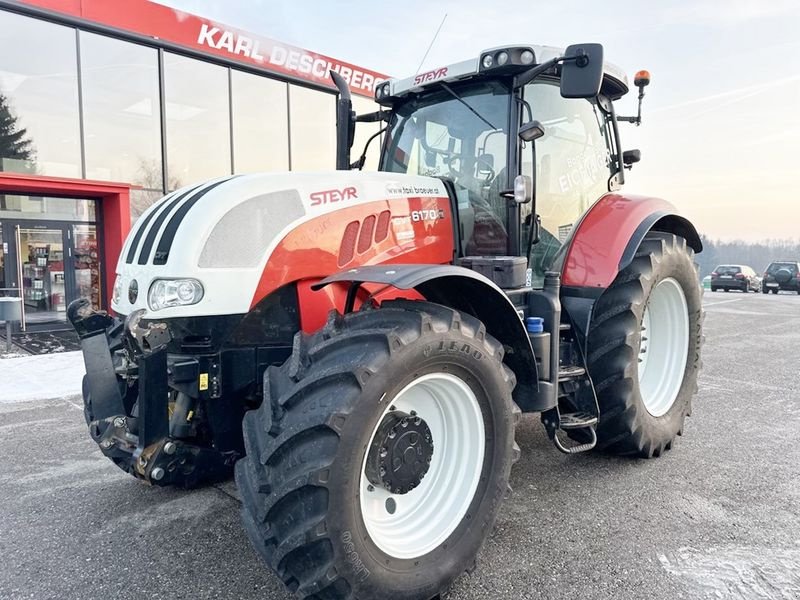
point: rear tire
(642, 403)
(303, 483)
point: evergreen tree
(14, 140)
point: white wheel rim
(664, 346)
(426, 516)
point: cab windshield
(465, 140)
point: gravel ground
(717, 517)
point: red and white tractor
(359, 346)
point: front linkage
(136, 402)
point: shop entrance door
(51, 263)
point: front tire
(644, 348)
(319, 504)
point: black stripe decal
(151, 235)
(140, 231)
(165, 243)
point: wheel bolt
(119, 422)
(413, 413)
(106, 444)
(392, 434)
(157, 474)
(384, 452)
(370, 488)
(170, 448)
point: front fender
(466, 291)
(605, 240)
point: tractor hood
(222, 233)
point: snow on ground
(42, 377)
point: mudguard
(605, 240)
(469, 292)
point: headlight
(117, 289)
(526, 57)
(488, 61)
(502, 58)
(174, 292)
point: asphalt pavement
(716, 517)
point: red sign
(195, 33)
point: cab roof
(615, 82)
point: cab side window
(572, 162)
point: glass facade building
(84, 101)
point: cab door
(570, 166)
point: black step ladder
(555, 421)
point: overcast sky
(721, 132)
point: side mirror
(530, 131)
(582, 71)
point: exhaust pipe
(345, 123)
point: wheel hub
(401, 452)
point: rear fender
(468, 292)
(605, 240)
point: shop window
(88, 272)
(121, 111)
(39, 130)
(141, 200)
(44, 208)
(260, 124)
(363, 132)
(198, 120)
(3, 290)
(313, 129)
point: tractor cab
(526, 135)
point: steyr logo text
(430, 75)
(329, 196)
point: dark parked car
(782, 275)
(735, 277)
